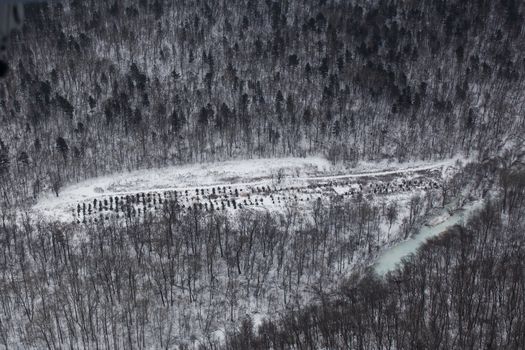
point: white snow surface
(297, 172)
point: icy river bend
(393, 256)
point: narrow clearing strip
(60, 208)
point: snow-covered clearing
(233, 184)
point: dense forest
(172, 280)
(161, 282)
(98, 87)
(462, 290)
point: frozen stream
(390, 258)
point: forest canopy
(104, 87)
(98, 87)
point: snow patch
(295, 173)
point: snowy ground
(262, 184)
(265, 183)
